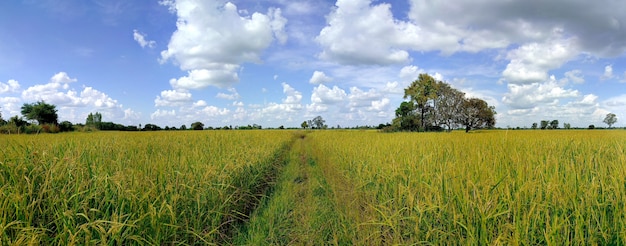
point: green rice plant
(492, 187)
(133, 188)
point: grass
(321, 187)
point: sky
(280, 62)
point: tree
(183, 127)
(534, 126)
(151, 127)
(318, 121)
(420, 92)
(40, 111)
(554, 124)
(197, 125)
(477, 113)
(567, 125)
(406, 118)
(544, 124)
(610, 119)
(447, 105)
(304, 125)
(66, 126)
(94, 120)
(17, 121)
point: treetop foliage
(433, 105)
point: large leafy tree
(406, 118)
(476, 113)
(448, 106)
(318, 122)
(610, 119)
(421, 92)
(197, 125)
(433, 104)
(40, 111)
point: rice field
(132, 188)
(492, 187)
(319, 187)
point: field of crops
(321, 187)
(492, 187)
(132, 188)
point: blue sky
(280, 62)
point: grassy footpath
(302, 209)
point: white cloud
(360, 98)
(319, 78)
(608, 72)
(62, 78)
(131, 115)
(291, 104)
(278, 23)
(199, 103)
(163, 114)
(10, 87)
(324, 95)
(10, 106)
(93, 97)
(527, 96)
(212, 41)
(410, 73)
(359, 33)
(380, 105)
(531, 62)
(141, 40)
(293, 97)
(221, 76)
(172, 98)
(73, 104)
(576, 76)
(232, 96)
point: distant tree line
(610, 120)
(434, 106)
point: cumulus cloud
(163, 114)
(360, 33)
(172, 98)
(324, 95)
(72, 103)
(319, 78)
(575, 76)
(213, 40)
(62, 78)
(293, 97)
(9, 87)
(10, 106)
(233, 95)
(531, 62)
(525, 96)
(141, 40)
(291, 103)
(221, 75)
(410, 73)
(608, 72)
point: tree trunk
(467, 128)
